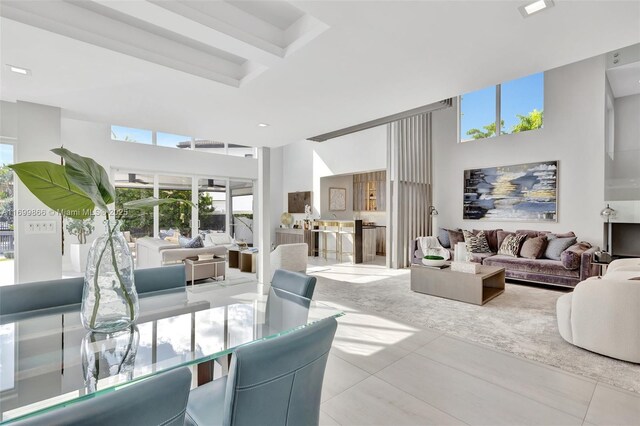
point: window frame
(498, 110)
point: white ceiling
(367, 60)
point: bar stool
(348, 228)
(323, 230)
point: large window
(169, 140)
(212, 204)
(242, 211)
(516, 105)
(7, 245)
(129, 187)
(173, 141)
(175, 215)
(222, 205)
(128, 134)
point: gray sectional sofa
(154, 252)
(546, 271)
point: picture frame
(337, 199)
(297, 201)
(526, 192)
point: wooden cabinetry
(381, 240)
(293, 236)
(370, 191)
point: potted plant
(79, 190)
(81, 229)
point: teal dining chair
(34, 296)
(271, 382)
(294, 282)
(159, 400)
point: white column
(263, 233)
(38, 256)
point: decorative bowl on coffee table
(435, 261)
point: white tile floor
(383, 371)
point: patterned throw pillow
(511, 245)
(476, 243)
(195, 242)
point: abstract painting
(522, 192)
(337, 199)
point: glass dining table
(48, 360)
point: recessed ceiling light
(19, 70)
(263, 125)
(535, 7)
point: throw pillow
(492, 238)
(533, 248)
(531, 233)
(556, 246)
(500, 236)
(195, 242)
(571, 257)
(511, 245)
(455, 237)
(174, 239)
(565, 235)
(443, 237)
(476, 243)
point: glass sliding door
(175, 215)
(6, 216)
(212, 205)
(129, 187)
(242, 211)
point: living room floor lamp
(608, 213)
(432, 212)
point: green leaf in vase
(50, 184)
(153, 201)
(89, 176)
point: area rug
(521, 321)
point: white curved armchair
(290, 257)
(602, 315)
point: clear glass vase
(109, 300)
(107, 355)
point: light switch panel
(40, 227)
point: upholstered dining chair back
(161, 278)
(34, 296)
(40, 295)
(279, 381)
(294, 282)
(159, 400)
(270, 382)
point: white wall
(277, 196)
(342, 181)
(305, 162)
(623, 171)
(37, 255)
(573, 134)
